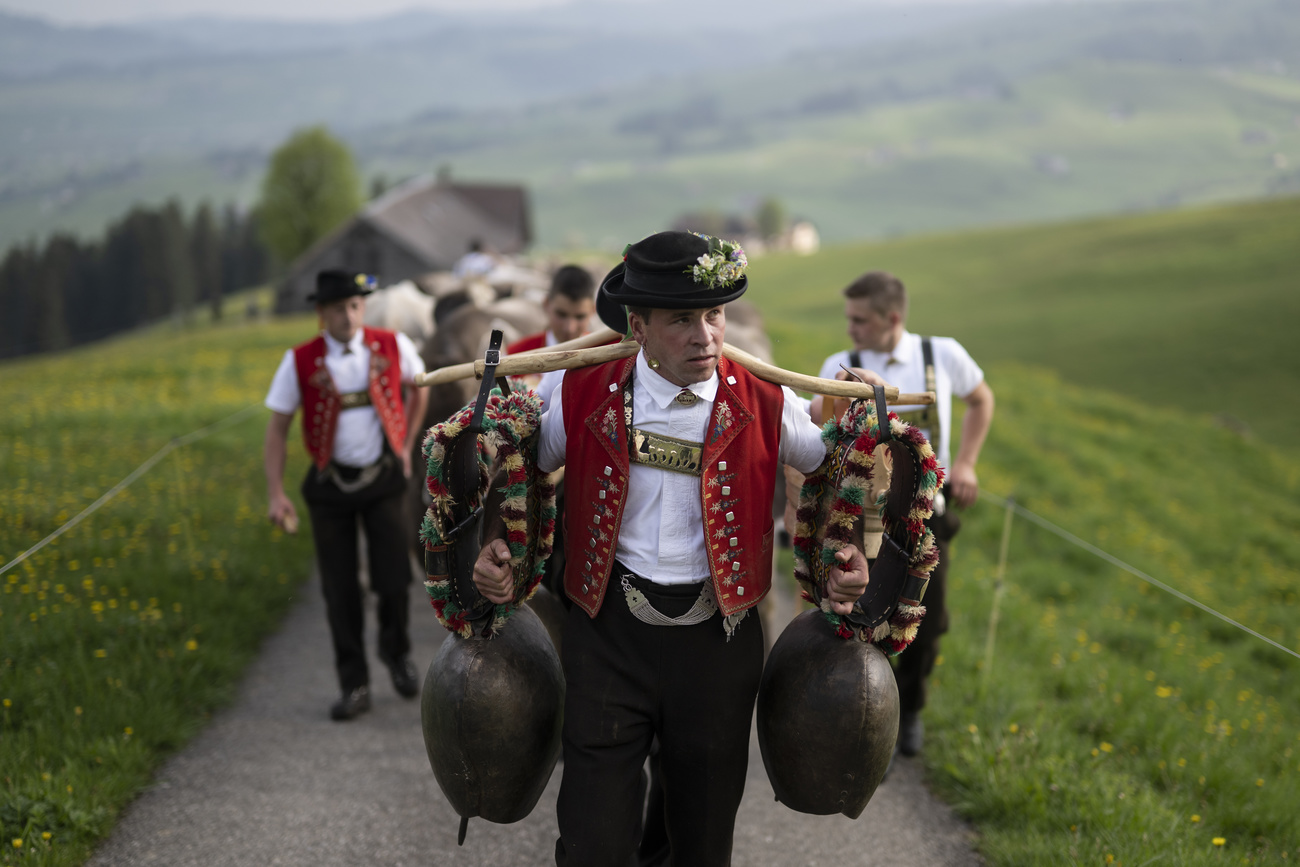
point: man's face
(869, 330)
(686, 343)
(569, 319)
(342, 318)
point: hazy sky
(104, 11)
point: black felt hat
(337, 284)
(659, 271)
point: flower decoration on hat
(722, 265)
(367, 282)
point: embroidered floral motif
(609, 425)
(322, 380)
(722, 421)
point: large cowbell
(493, 699)
(827, 718)
(491, 711)
(828, 704)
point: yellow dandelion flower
(1182, 763)
(1013, 728)
(1259, 782)
(1095, 752)
(1219, 841)
(1164, 691)
(1196, 817)
(972, 728)
(77, 710)
(8, 703)
(18, 842)
(1110, 859)
(191, 645)
(45, 835)
(1106, 747)
(129, 731)
(101, 653)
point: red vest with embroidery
(736, 482)
(526, 344)
(320, 397)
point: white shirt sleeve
(549, 385)
(801, 440)
(284, 396)
(831, 366)
(412, 363)
(550, 449)
(965, 374)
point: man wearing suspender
(885, 352)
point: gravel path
(272, 781)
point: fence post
(998, 587)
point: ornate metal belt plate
(667, 453)
(354, 399)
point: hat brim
(332, 296)
(614, 296)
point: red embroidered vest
(320, 397)
(527, 344)
(736, 483)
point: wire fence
(1011, 505)
(1007, 503)
(175, 443)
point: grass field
(1116, 724)
(120, 638)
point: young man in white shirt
(886, 353)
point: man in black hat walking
(359, 429)
(670, 460)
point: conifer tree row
(151, 264)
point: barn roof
(437, 219)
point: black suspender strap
(882, 415)
(927, 353)
(855, 358)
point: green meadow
(1141, 379)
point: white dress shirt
(359, 437)
(661, 536)
(955, 372)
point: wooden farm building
(423, 225)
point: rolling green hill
(1194, 309)
(1026, 113)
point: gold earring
(653, 362)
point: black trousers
(380, 508)
(915, 664)
(628, 681)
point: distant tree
(771, 218)
(310, 188)
(244, 258)
(18, 276)
(205, 249)
(378, 186)
(179, 281)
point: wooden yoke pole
(590, 350)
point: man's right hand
(870, 377)
(283, 514)
(493, 575)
